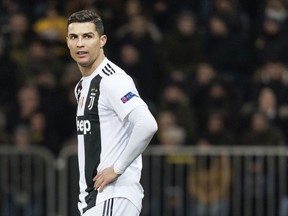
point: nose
(79, 42)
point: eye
(72, 37)
(87, 36)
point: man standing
(114, 124)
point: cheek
(95, 49)
(71, 48)
(68, 43)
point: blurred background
(214, 73)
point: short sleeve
(121, 94)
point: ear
(103, 40)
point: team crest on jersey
(92, 98)
(127, 97)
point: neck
(88, 70)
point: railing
(68, 187)
(184, 181)
(234, 181)
(27, 182)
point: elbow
(155, 127)
(152, 127)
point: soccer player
(114, 125)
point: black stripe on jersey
(92, 141)
(104, 208)
(108, 207)
(105, 72)
(111, 207)
(111, 67)
(108, 70)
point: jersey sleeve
(122, 95)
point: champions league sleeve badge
(127, 97)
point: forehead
(81, 28)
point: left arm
(144, 127)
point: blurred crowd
(213, 72)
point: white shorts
(118, 206)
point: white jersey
(104, 99)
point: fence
(234, 181)
(27, 182)
(186, 181)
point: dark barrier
(184, 181)
(27, 179)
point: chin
(84, 64)
(80, 61)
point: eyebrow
(87, 33)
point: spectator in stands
(7, 8)
(271, 74)
(22, 136)
(140, 32)
(236, 18)
(219, 97)
(216, 131)
(51, 27)
(175, 99)
(198, 88)
(143, 34)
(171, 135)
(209, 180)
(40, 59)
(271, 41)
(267, 103)
(183, 47)
(276, 9)
(130, 59)
(262, 133)
(46, 83)
(139, 26)
(127, 10)
(42, 134)
(131, 8)
(257, 180)
(20, 112)
(227, 49)
(161, 14)
(17, 38)
(168, 126)
(27, 112)
(38, 129)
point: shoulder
(109, 69)
(114, 75)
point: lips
(81, 53)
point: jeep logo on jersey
(83, 126)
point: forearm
(144, 128)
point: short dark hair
(87, 16)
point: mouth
(81, 53)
